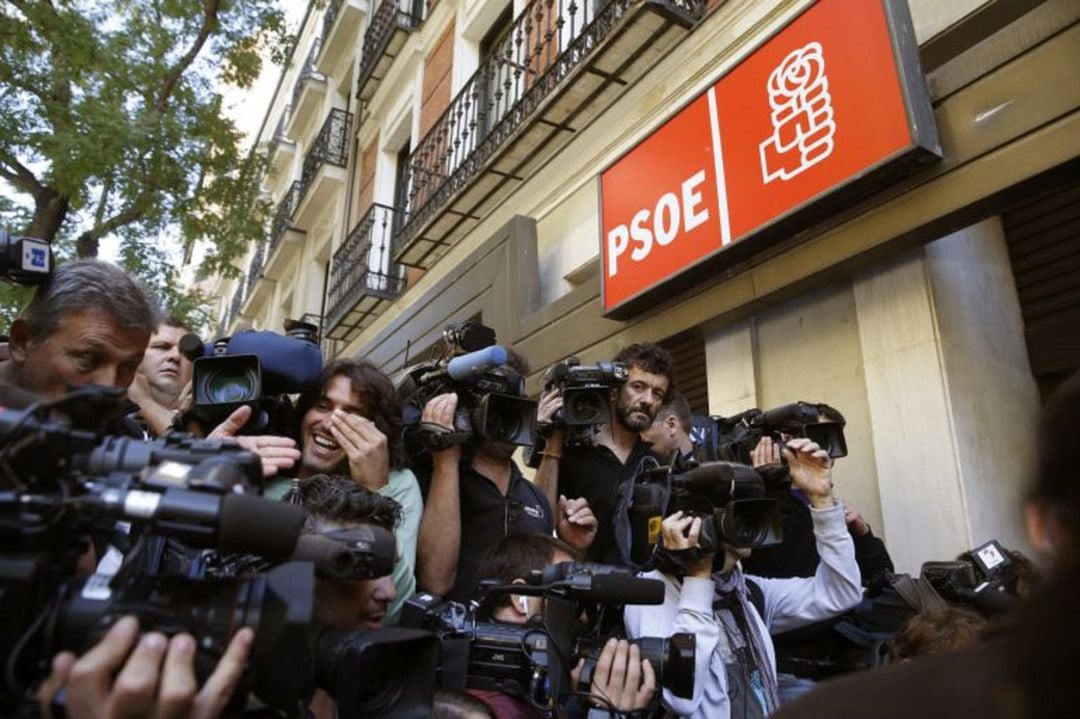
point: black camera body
(732, 439)
(491, 402)
(532, 661)
(586, 394)
(737, 505)
(984, 578)
(25, 261)
(256, 369)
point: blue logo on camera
(39, 258)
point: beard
(626, 414)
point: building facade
(443, 161)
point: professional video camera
(586, 394)
(532, 661)
(733, 438)
(737, 505)
(63, 483)
(985, 578)
(25, 261)
(257, 369)
(491, 401)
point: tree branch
(20, 175)
(210, 13)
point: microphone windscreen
(619, 588)
(466, 366)
(192, 347)
(257, 525)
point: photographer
(670, 431)
(622, 677)
(735, 663)
(352, 426)
(89, 324)
(338, 503)
(479, 484)
(595, 471)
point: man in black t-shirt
(596, 471)
(474, 496)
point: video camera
(586, 394)
(25, 261)
(63, 483)
(738, 506)
(985, 578)
(732, 439)
(254, 368)
(491, 402)
(532, 661)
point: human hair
(1055, 482)
(936, 632)
(337, 498)
(676, 404)
(649, 357)
(830, 413)
(518, 554)
(172, 320)
(449, 704)
(90, 284)
(376, 396)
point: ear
(19, 341)
(672, 423)
(1045, 531)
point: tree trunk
(86, 245)
(50, 211)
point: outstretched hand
(810, 468)
(275, 453)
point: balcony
(285, 238)
(363, 277)
(234, 307)
(557, 70)
(308, 92)
(259, 287)
(324, 171)
(389, 29)
(341, 22)
(282, 148)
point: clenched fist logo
(802, 115)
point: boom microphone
(619, 588)
(468, 365)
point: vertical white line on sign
(718, 162)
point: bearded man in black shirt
(595, 471)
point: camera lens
(225, 388)
(584, 407)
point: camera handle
(560, 621)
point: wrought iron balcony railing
(392, 18)
(255, 268)
(331, 147)
(307, 72)
(363, 267)
(549, 42)
(237, 301)
(330, 16)
(284, 214)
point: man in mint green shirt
(352, 426)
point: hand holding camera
(154, 676)
(440, 411)
(810, 468)
(682, 533)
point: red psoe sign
(831, 107)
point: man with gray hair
(89, 324)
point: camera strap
(437, 437)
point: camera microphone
(618, 588)
(230, 522)
(469, 365)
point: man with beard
(476, 485)
(595, 472)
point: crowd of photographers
(656, 562)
